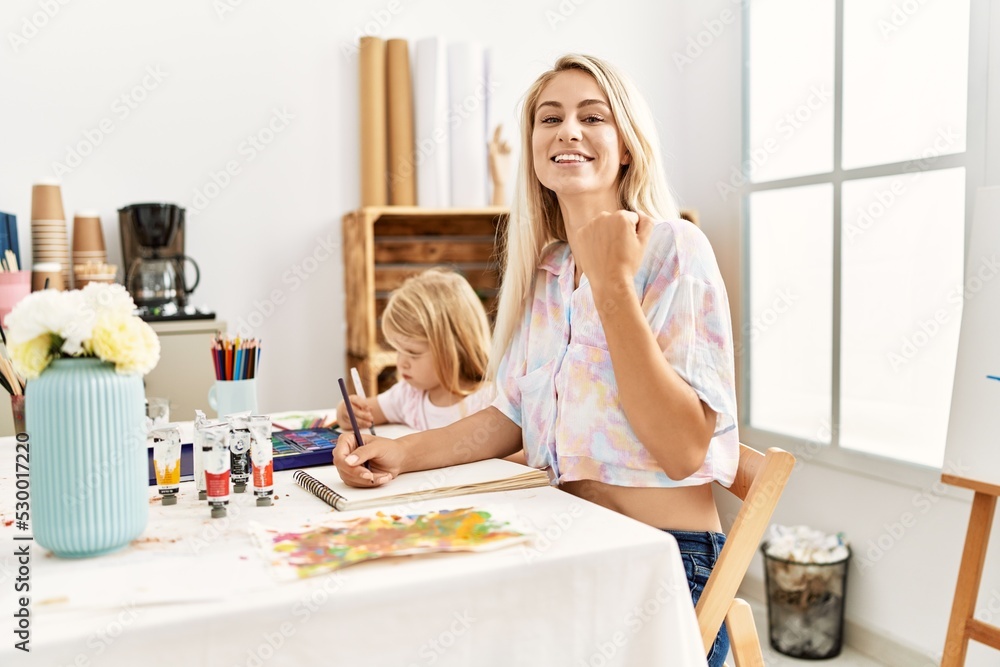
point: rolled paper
(371, 56)
(467, 118)
(399, 98)
(430, 83)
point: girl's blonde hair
(441, 308)
(535, 217)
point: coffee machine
(152, 238)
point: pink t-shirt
(402, 404)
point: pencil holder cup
(229, 396)
(14, 286)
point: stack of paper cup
(42, 272)
(49, 243)
(88, 242)
(93, 272)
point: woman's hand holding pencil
(360, 472)
(384, 459)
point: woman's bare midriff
(678, 508)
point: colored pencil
(234, 359)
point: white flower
(128, 342)
(52, 312)
(112, 299)
(32, 357)
(77, 328)
(96, 321)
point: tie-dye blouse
(557, 383)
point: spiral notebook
(479, 477)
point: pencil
(350, 414)
(359, 389)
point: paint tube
(215, 448)
(167, 462)
(199, 461)
(262, 457)
(239, 449)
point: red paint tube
(215, 449)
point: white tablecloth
(593, 589)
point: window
(858, 164)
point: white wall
(222, 78)
(906, 592)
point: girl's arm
(378, 417)
(482, 435)
(652, 394)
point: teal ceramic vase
(89, 467)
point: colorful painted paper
(333, 545)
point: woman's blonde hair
(535, 217)
(441, 308)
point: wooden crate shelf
(385, 245)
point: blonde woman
(438, 327)
(613, 316)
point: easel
(963, 625)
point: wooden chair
(760, 480)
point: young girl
(613, 347)
(438, 327)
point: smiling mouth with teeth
(571, 158)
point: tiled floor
(847, 658)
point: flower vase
(89, 466)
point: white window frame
(832, 455)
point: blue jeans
(699, 551)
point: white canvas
(973, 447)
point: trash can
(805, 606)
